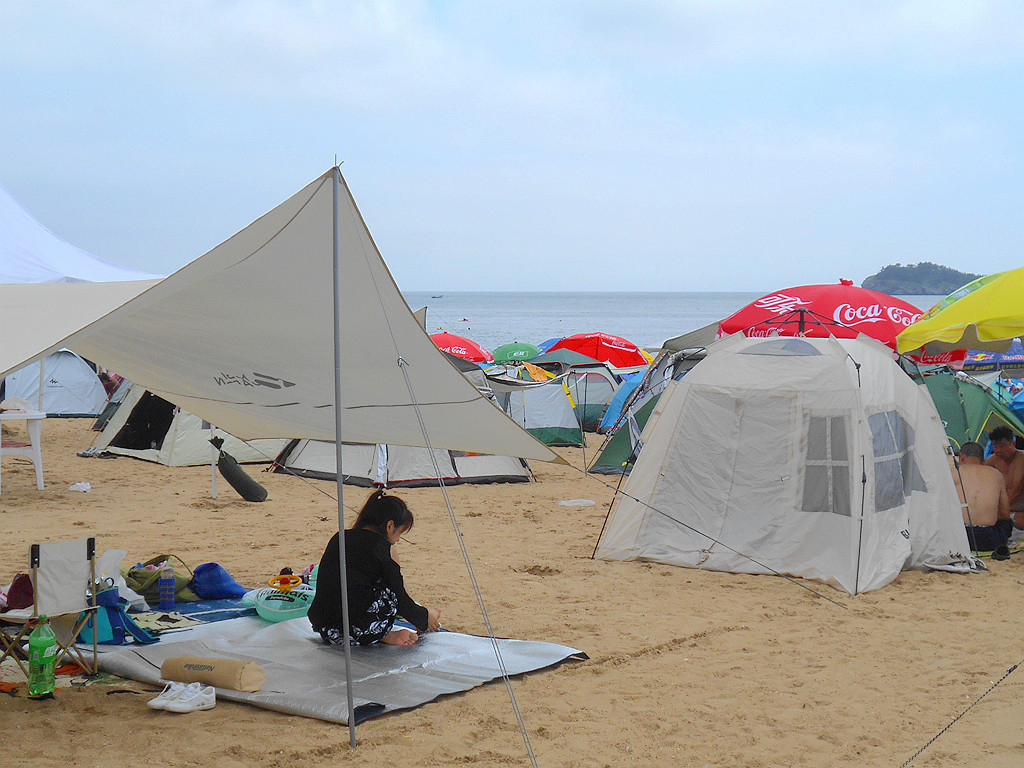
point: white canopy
(30, 253)
(243, 338)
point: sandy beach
(686, 668)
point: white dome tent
(148, 427)
(70, 386)
(816, 458)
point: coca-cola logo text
(780, 303)
(848, 314)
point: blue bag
(211, 582)
(113, 625)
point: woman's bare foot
(400, 637)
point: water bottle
(165, 583)
(42, 653)
(313, 575)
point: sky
(645, 145)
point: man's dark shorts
(985, 538)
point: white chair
(61, 572)
(32, 450)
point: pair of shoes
(193, 699)
(181, 698)
(170, 692)
(1002, 552)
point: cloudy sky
(687, 145)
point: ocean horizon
(647, 318)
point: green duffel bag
(147, 583)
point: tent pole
(42, 381)
(335, 175)
(860, 531)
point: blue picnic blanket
(215, 610)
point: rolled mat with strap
(235, 674)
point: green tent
(614, 458)
(967, 409)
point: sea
(647, 319)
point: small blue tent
(618, 401)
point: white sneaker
(193, 699)
(170, 692)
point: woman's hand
(433, 620)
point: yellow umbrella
(985, 314)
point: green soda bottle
(42, 653)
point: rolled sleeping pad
(230, 470)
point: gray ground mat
(306, 677)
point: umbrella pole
(335, 174)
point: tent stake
(335, 174)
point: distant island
(924, 279)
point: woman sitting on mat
(376, 594)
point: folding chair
(61, 571)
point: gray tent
(398, 465)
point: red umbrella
(842, 310)
(462, 347)
(614, 350)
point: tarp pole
(335, 175)
(214, 455)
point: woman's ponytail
(379, 509)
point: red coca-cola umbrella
(614, 350)
(842, 310)
(462, 347)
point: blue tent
(1017, 404)
(618, 401)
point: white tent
(811, 457)
(591, 387)
(544, 409)
(70, 386)
(148, 427)
(30, 253)
(398, 465)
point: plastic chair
(61, 572)
(32, 450)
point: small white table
(33, 451)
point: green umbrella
(516, 350)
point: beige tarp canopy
(701, 337)
(243, 337)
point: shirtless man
(986, 506)
(1008, 460)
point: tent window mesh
(827, 466)
(896, 471)
(590, 388)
